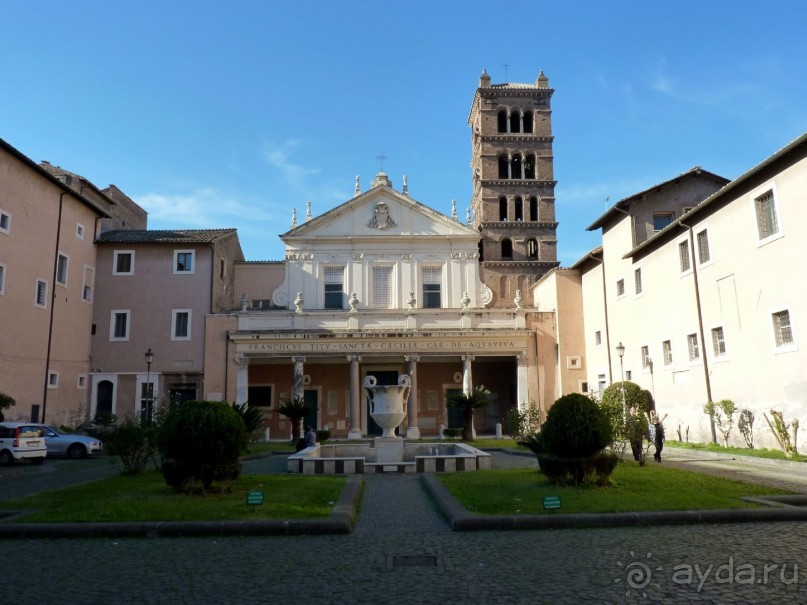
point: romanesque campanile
(513, 199)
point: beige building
(47, 288)
(706, 306)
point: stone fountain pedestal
(388, 409)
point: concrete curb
(340, 521)
(460, 519)
(690, 454)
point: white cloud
(203, 208)
(279, 157)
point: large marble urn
(388, 402)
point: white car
(69, 444)
(21, 440)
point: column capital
(468, 357)
(415, 357)
(353, 358)
(521, 359)
(298, 359)
(241, 362)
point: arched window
(502, 120)
(533, 208)
(503, 166)
(528, 122)
(532, 248)
(502, 208)
(515, 122)
(515, 167)
(507, 248)
(529, 167)
(519, 209)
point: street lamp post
(620, 350)
(149, 359)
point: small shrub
(323, 435)
(204, 439)
(746, 426)
(6, 401)
(252, 417)
(575, 427)
(780, 429)
(593, 470)
(133, 442)
(454, 433)
(617, 413)
(522, 422)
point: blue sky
(214, 114)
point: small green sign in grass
(254, 498)
(551, 502)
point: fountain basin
(361, 458)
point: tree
(6, 401)
(252, 417)
(618, 414)
(723, 412)
(295, 410)
(478, 398)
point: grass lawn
(148, 498)
(737, 451)
(634, 488)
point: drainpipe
(706, 378)
(52, 305)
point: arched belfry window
(519, 207)
(502, 208)
(507, 248)
(515, 167)
(503, 165)
(528, 122)
(529, 167)
(532, 248)
(515, 122)
(533, 208)
(502, 120)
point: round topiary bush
(201, 442)
(575, 427)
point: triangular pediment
(380, 212)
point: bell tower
(513, 199)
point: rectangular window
(718, 342)
(645, 357)
(637, 280)
(782, 330)
(119, 325)
(2, 278)
(53, 380)
(181, 324)
(123, 262)
(61, 269)
(183, 261)
(79, 231)
(666, 348)
(620, 287)
(334, 278)
(683, 256)
(692, 345)
(702, 239)
(41, 293)
(432, 278)
(661, 220)
(628, 375)
(89, 282)
(767, 221)
(598, 338)
(5, 222)
(81, 382)
(382, 287)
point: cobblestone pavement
(692, 564)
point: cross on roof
(381, 157)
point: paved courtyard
(401, 550)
